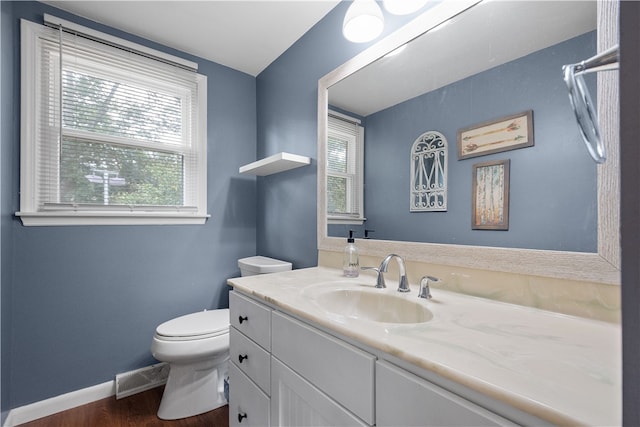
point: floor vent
(142, 379)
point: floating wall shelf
(277, 163)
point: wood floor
(137, 410)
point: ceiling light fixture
(403, 7)
(363, 21)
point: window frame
(355, 190)
(33, 215)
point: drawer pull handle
(241, 358)
(241, 417)
(242, 319)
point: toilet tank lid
(263, 264)
(195, 324)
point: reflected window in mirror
(429, 173)
(345, 158)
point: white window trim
(29, 213)
(350, 219)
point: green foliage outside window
(103, 109)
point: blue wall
(287, 121)
(552, 187)
(80, 304)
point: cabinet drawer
(248, 405)
(342, 371)
(251, 318)
(405, 399)
(252, 359)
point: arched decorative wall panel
(429, 173)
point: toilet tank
(260, 265)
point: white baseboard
(43, 408)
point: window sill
(39, 219)
(353, 221)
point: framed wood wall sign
(490, 194)
(507, 133)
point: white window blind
(114, 133)
(344, 169)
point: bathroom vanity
(311, 347)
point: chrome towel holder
(580, 99)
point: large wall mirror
(456, 71)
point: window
(109, 136)
(345, 157)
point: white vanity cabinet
(249, 371)
(301, 376)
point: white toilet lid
(200, 324)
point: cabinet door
(248, 405)
(295, 402)
(403, 399)
(342, 371)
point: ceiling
(246, 35)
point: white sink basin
(377, 305)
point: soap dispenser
(350, 258)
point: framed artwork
(490, 194)
(507, 133)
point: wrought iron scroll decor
(429, 173)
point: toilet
(196, 347)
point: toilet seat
(195, 326)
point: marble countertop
(563, 369)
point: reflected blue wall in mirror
(553, 184)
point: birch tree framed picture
(490, 193)
(495, 136)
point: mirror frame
(600, 267)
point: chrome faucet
(403, 283)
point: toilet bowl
(196, 347)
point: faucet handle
(380, 283)
(424, 291)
